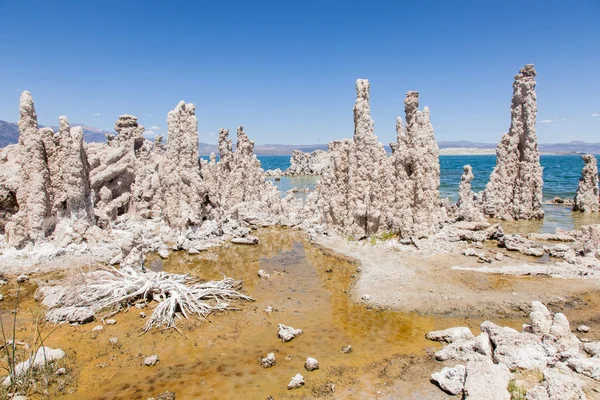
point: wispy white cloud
(595, 115)
(155, 128)
(545, 121)
(96, 114)
(149, 115)
(150, 134)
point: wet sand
(311, 290)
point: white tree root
(177, 295)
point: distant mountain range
(9, 133)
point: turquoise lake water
(561, 173)
(561, 177)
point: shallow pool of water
(218, 358)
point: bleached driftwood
(176, 294)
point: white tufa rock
(468, 209)
(268, 361)
(301, 163)
(311, 364)
(515, 187)
(586, 199)
(403, 190)
(450, 335)
(296, 382)
(450, 380)
(287, 333)
(151, 361)
(44, 355)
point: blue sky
(286, 70)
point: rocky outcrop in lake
(365, 192)
(514, 191)
(302, 164)
(586, 199)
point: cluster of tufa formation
(586, 199)
(314, 163)
(365, 192)
(54, 188)
(499, 358)
(515, 188)
(66, 192)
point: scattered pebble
(296, 382)
(151, 361)
(1, 297)
(288, 358)
(110, 321)
(268, 361)
(269, 309)
(113, 340)
(139, 306)
(97, 328)
(22, 278)
(583, 328)
(347, 349)
(499, 256)
(287, 333)
(311, 364)
(61, 371)
(142, 314)
(263, 274)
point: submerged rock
(515, 187)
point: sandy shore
(400, 278)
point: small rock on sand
(311, 364)
(110, 321)
(61, 371)
(113, 340)
(268, 361)
(97, 328)
(347, 349)
(287, 333)
(296, 382)
(269, 309)
(151, 361)
(263, 274)
(583, 328)
(250, 240)
(22, 278)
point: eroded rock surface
(515, 187)
(502, 354)
(365, 192)
(586, 199)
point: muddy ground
(313, 289)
